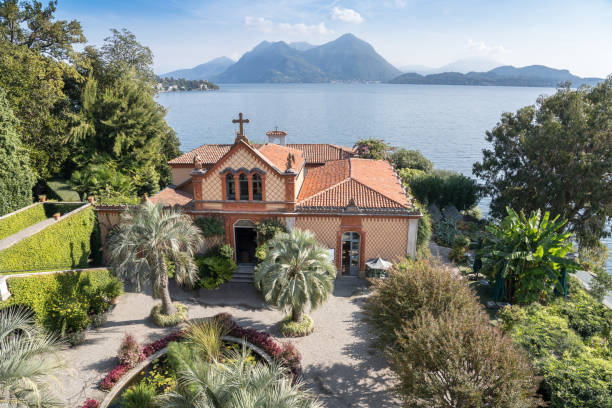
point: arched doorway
(245, 240)
(351, 247)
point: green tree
(16, 176)
(236, 383)
(372, 149)
(297, 272)
(101, 181)
(410, 159)
(29, 24)
(146, 239)
(555, 156)
(27, 360)
(525, 255)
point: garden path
(25, 233)
(340, 365)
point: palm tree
(149, 237)
(237, 383)
(296, 272)
(27, 359)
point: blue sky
(576, 35)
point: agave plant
(297, 272)
(147, 238)
(27, 361)
(237, 383)
(525, 255)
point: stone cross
(242, 122)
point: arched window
(243, 184)
(257, 188)
(230, 187)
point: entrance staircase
(244, 274)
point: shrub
(410, 159)
(593, 257)
(445, 232)
(601, 284)
(425, 285)
(211, 226)
(163, 320)
(458, 360)
(113, 377)
(61, 190)
(291, 357)
(289, 328)
(130, 352)
(206, 336)
(226, 251)
(138, 396)
(91, 403)
(41, 292)
(578, 382)
(584, 314)
(64, 244)
(372, 149)
(215, 270)
(267, 229)
(423, 234)
(409, 175)
(454, 189)
(458, 255)
(67, 315)
(23, 219)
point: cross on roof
(242, 122)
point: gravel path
(339, 364)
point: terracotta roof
(319, 153)
(171, 196)
(313, 153)
(277, 155)
(371, 184)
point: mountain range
(532, 75)
(350, 59)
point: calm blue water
(446, 123)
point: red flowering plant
(91, 403)
(130, 352)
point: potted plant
(57, 216)
(91, 199)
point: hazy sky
(576, 35)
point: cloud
(481, 47)
(269, 27)
(346, 15)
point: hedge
(61, 190)
(16, 222)
(38, 291)
(63, 245)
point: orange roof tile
(277, 155)
(171, 196)
(371, 184)
(209, 154)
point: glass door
(351, 245)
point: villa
(356, 207)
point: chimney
(275, 135)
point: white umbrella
(378, 263)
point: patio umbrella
(378, 263)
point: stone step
(244, 274)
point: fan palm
(297, 272)
(149, 237)
(27, 359)
(237, 383)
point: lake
(446, 123)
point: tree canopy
(557, 157)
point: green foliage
(164, 320)
(289, 328)
(62, 302)
(206, 337)
(160, 376)
(130, 352)
(585, 314)
(211, 226)
(101, 180)
(261, 252)
(527, 253)
(410, 159)
(555, 156)
(372, 149)
(61, 190)
(16, 176)
(594, 257)
(458, 255)
(443, 189)
(28, 358)
(267, 229)
(409, 175)
(423, 233)
(446, 231)
(138, 396)
(601, 284)
(64, 244)
(472, 363)
(296, 273)
(215, 270)
(17, 222)
(425, 285)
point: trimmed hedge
(39, 292)
(21, 220)
(61, 190)
(65, 244)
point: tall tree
(16, 176)
(147, 238)
(557, 157)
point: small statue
(197, 162)
(290, 161)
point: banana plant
(525, 256)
